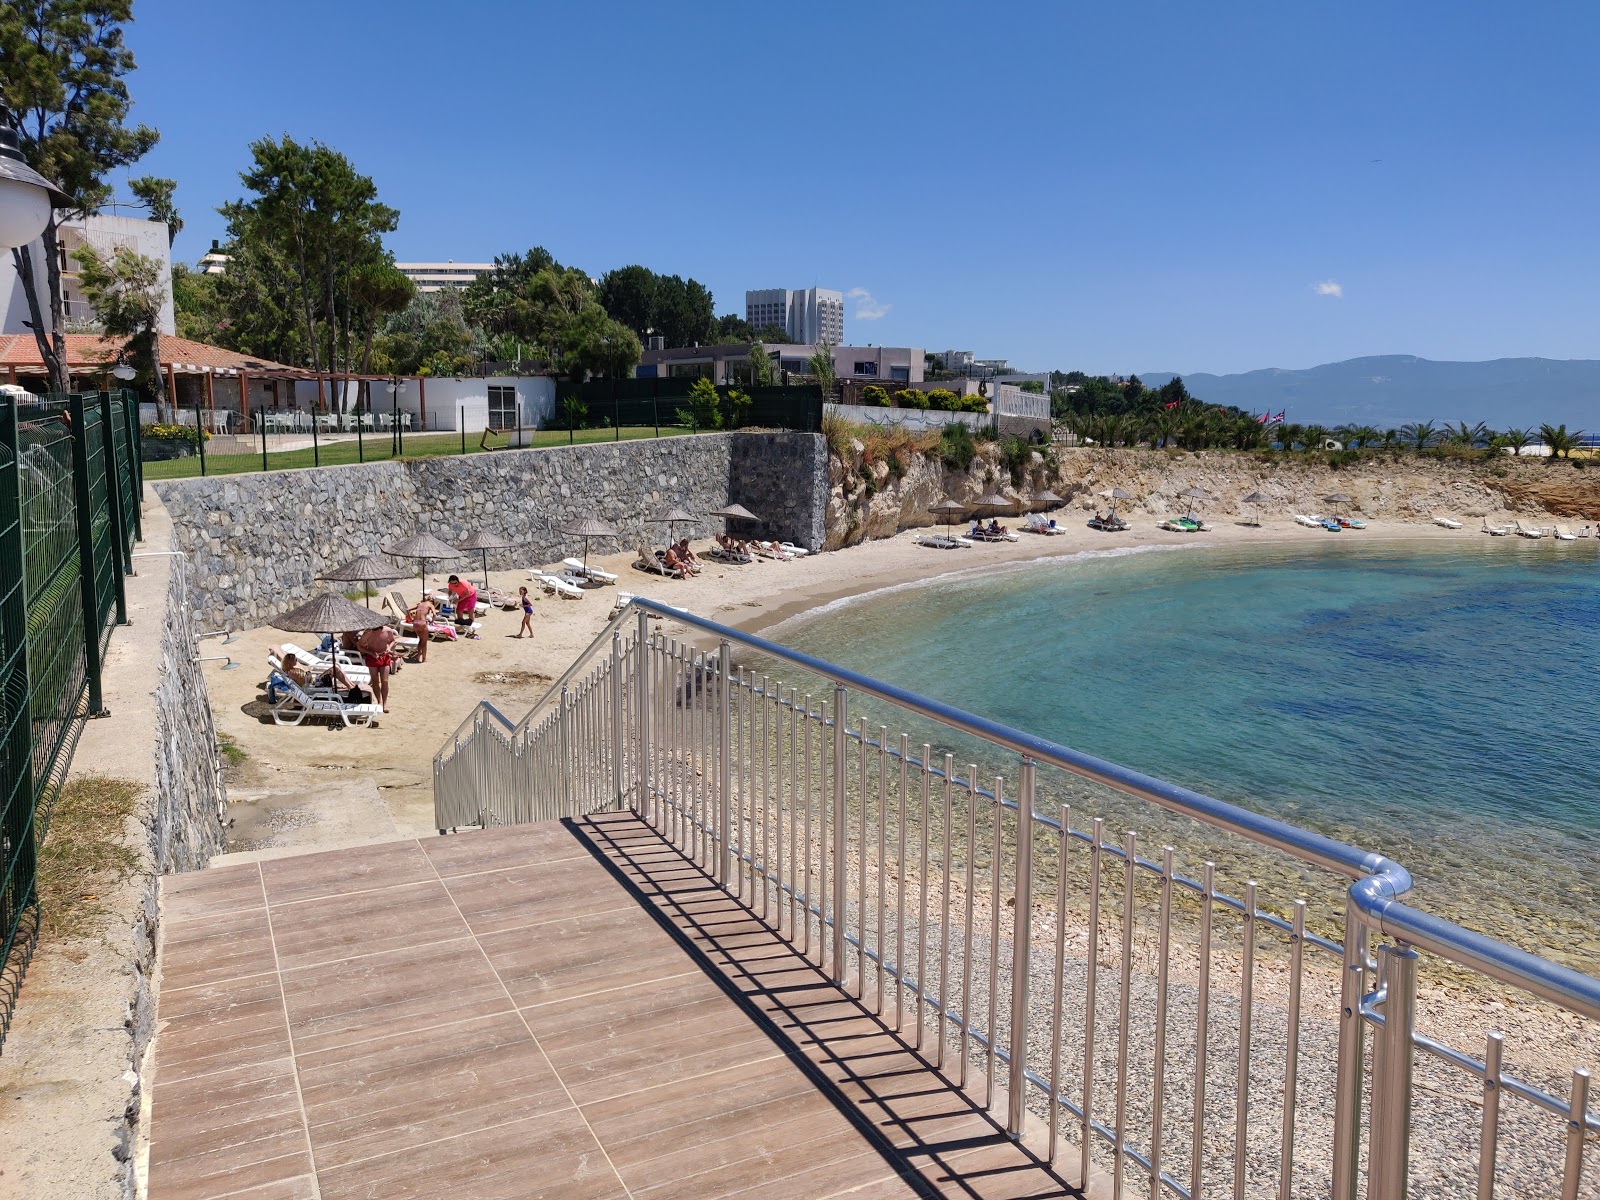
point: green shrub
(973, 404)
(170, 433)
(956, 447)
(944, 400)
(1014, 453)
(705, 408)
(869, 478)
(739, 406)
(912, 398)
(574, 412)
(875, 396)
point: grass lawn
(376, 449)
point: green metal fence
(605, 410)
(69, 513)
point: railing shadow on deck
(851, 1056)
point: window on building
(502, 408)
(865, 368)
(900, 374)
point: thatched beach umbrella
(423, 547)
(1193, 494)
(366, 570)
(1050, 500)
(329, 613)
(586, 528)
(948, 511)
(672, 518)
(1114, 494)
(735, 512)
(1256, 500)
(483, 543)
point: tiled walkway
(554, 1010)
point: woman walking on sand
(421, 617)
(527, 613)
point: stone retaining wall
(258, 542)
(185, 820)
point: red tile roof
(86, 351)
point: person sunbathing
(690, 559)
(303, 677)
(674, 564)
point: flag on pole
(1171, 406)
(1263, 418)
(1277, 419)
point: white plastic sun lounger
(1564, 534)
(295, 705)
(1308, 522)
(554, 583)
(353, 665)
(1529, 531)
(939, 542)
(1495, 530)
(575, 567)
(797, 551)
(1447, 522)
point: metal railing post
(261, 420)
(566, 748)
(1390, 1159)
(641, 684)
(725, 865)
(119, 540)
(618, 790)
(1352, 1051)
(841, 714)
(199, 429)
(78, 434)
(1021, 945)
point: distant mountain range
(1395, 389)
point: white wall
(105, 234)
(450, 402)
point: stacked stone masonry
(258, 542)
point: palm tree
(1315, 436)
(1288, 435)
(1391, 438)
(1516, 439)
(1361, 435)
(1419, 434)
(1561, 442)
(1463, 434)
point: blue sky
(1113, 187)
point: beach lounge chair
(294, 705)
(1180, 525)
(353, 665)
(1564, 534)
(937, 541)
(554, 583)
(620, 601)
(651, 565)
(577, 570)
(1308, 521)
(1447, 523)
(794, 551)
(1529, 531)
(1495, 530)
(728, 556)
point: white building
(432, 276)
(808, 317)
(105, 235)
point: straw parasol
(329, 613)
(1339, 500)
(484, 542)
(1256, 499)
(1050, 500)
(948, 511)
(735, 512)
(586, 528)
(422, 547)
(366, 570)
(1114, 494)
(1193, 494)
(672, 518)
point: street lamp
(122, 368)
(26, 197)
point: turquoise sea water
(1436, 703)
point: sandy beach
(290, 768)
